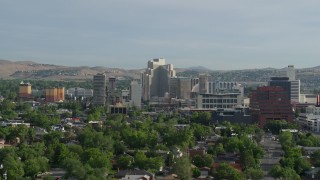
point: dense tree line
(122, 142)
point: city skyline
(218, 35)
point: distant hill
(199, 68)
(33, 70)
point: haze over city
(215, 34)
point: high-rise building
(54, 94)
(25, 90)
(112, 84)
(112, 91)
(155, 79)
(269, 103)
(203, 84)
(290, 73)
(180, 87)
(99, 89)
(282, 82)
(135, 94)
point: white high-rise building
(135, 94)
(155, 79)
(290, 72)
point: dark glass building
(269, 103)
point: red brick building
(270, 103)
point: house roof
(123, 173)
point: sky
(216, 34)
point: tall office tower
(180, 87)
(282, 82)
(25, 90)
(203, 84)
(155, 79)
(99, 89)
(289, 72)
(135, 94)
(295, 90)
(270, 103)
(111, 91)
(112, 84)
(194, 82)
(54, 94)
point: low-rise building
(220, 100)
(309, 121)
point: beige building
(180, 88)
(155, 79)
(25, 90)
(54, 94)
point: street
(272, 155)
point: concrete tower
(203, 84)
(155, 79)
(135, 94)
(290, 73)
(99, 89)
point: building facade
(99, 89)
(310, 122)
(54, 94)
(180, 88)
(77, 93)
(135, 94)
(290, 73)
(218, 100)
(25, 90)
(203, 84)
(270, 103)
(155, 79)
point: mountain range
(33, 70)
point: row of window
(207, 106)
(219, 101)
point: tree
(315, 157)
(196, 172)
(202, 161)
(275, 126)
(14, 167)
(74, 168)
(247, 159)
(203, 118)
(31, 167)
(140, 160)
(254, 173)
(225, 171)
(182, 168)
(124, 162)
(285, 139)
(286, 173)
(96, 159)
(200, 131)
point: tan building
(25, 90)
(54, 94)
(180, 87)
(155, 79)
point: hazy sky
(218, 34)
